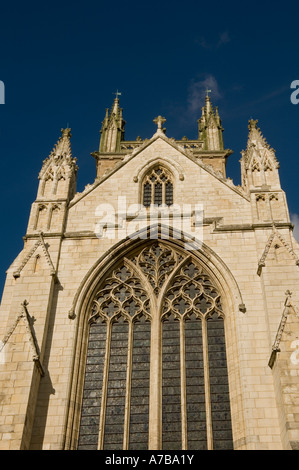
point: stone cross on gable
(159, 121)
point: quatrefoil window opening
(191, 293)
(157, 188)
(123, 295)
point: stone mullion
(207, 385)
(155, 415)
(183, 385)
(105, 387)
(128, 389)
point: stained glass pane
(158, 194)
(115, 407)
(147, 194)
(158, 181)
(92, 392)
(169, 193)
(195, 386)
(171, 388)
(139, 412)
(220, 403)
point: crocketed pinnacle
(255, 135)
(63, 146)
(113, 128)
(210, 129)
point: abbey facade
(159, 308)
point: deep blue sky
(61, 62)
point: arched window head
(157, 187)
(156, 347)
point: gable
(153, 149)
(20, 340)
(36, 259)
(194, 182)
(277, 251)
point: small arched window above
(157, 187)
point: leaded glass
(191, 371)
(158, 187)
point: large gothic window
(157, 187)
(158, 296)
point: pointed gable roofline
(40, 242)
(275, 233)
(24, 316)
(289, 308)
(146, 143)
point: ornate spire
(210, 129)
(113, 128)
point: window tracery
(192, 292)
(158, 187)
(120, 361)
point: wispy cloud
(223, 38)
(266, 100)
(295, 222)
(185, 114)
(197, 92)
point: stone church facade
(157, 309)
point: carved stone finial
(66, 132)
(252, 124)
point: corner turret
(57, 186)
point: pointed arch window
(156, 371)
(157, 187)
